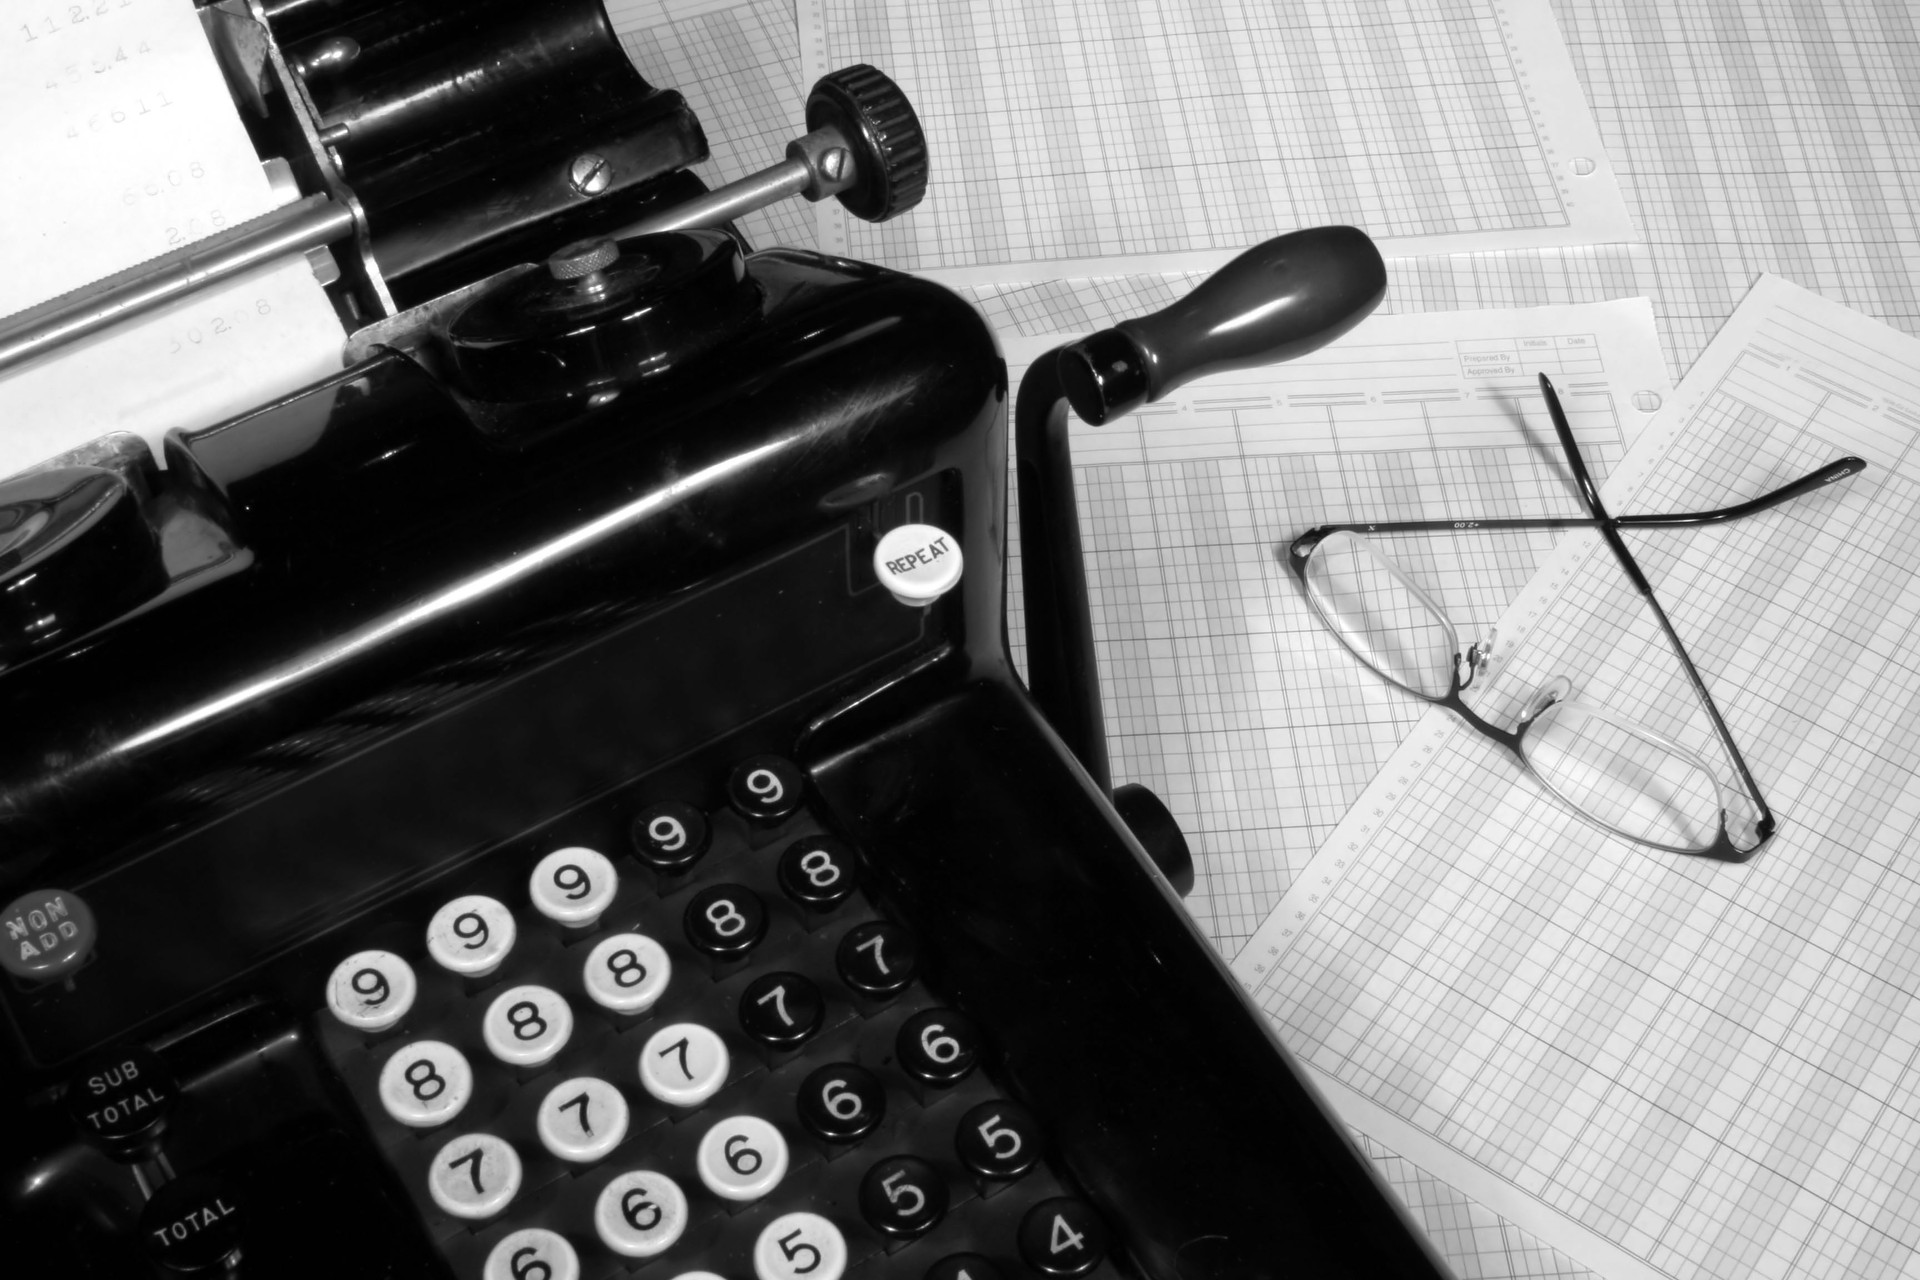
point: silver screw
(834, 163)
(590, 174)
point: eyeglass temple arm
(1278, 300)
(1764, 822)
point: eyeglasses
(1622, 777)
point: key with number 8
(627, 972)
(526, 1026)
(425, 1083)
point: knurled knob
(875, 117)
(583, 258)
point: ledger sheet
(1217, 693)
(1662, 1065)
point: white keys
(799, 1246)
(533, 1253)
(425, 1083)
(684, 1064)
(573, 886)
(581, 1119)
(741, 1158)
(627, 972)
(474, 1176)
(641, 1214)
(526, 1026)
(471, 936)
(371, 990)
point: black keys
(765, 789)
(877, 959)
(781, 1010)
(817, 872)
(120, 1099)
(998, 1140)
(938, 1047)
(193, 1223)
(725, 920)
(841, 1102)
(670, 836)
(903, 1197)
(1062, 1237)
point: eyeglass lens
(1623, 777)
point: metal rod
(294, 228)
(724, 204)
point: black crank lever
(1278, 300)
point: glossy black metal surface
(390, 528)
(1170, 1097)
(464, 627)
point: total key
(192, 1225)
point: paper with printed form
(1220, 690)
(1665, 1066)
(123, 144)
(1072, 139)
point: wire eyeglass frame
(1473, 661)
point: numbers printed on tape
(573, 886)
(527, 1026)
(640, 1214)
(799, 1246)
(371, 990)
(533, 1253)
(684, 1064)
(474, 1176)
(741, 1158)
(471, 935)
(425, 1083)
(627, 972)
(582, 1119)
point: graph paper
(1748, 136)
(1666, 1066)
(1215, 697)
(1068, 134)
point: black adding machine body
(631, 606)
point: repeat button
(918, 563)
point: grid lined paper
(1222, 693)
(1748, 136)
(1685, 1068)
(1066, 132)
